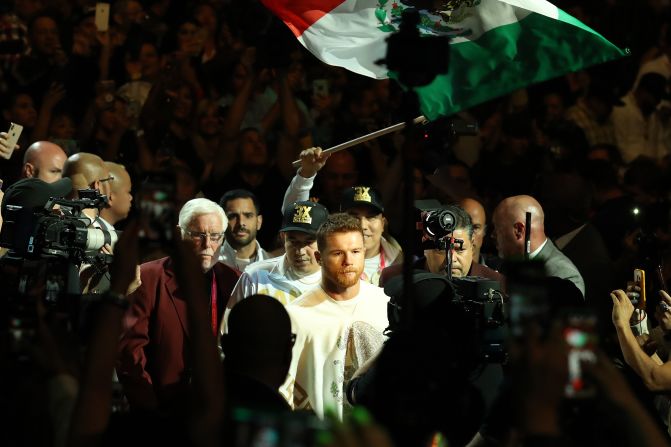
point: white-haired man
(154, 365)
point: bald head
(510, 225)
(43, 160)
(86, 171)
(120, 197)
(121, 178)
(479, 218)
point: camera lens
(439, 223)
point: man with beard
(339, 324)
(154, 362)
(287, 277)
(363, 202)
(43, 160)
(241, 248)
(463, 253)
(509, 234)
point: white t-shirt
(273, 277)
(270, 277)
(334, 338)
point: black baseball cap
(304, 216)
(35, 193)
(361, 196)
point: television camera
(479, 297)
(47, 248)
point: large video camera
(57, 232)
(48, 247)
(481, 298)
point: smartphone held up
(580, 334)
(13, 135)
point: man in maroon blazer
(154, 365)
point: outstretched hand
(312, 160)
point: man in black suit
(566, 201)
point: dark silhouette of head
(421, 382)
(259, 340)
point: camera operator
(435, 258)
(29, 339)
(120, 196)
(88, 171)
(33, 193)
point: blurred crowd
(293, 277)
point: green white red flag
(497, 46)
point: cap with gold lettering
(361, 196)
(304, 216)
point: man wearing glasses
(154, 365)
(88, 171)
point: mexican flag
(497, 46)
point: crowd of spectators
(220, 95)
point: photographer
(435, 257)
(39, 352)
(88, 171)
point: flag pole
(371, 136)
